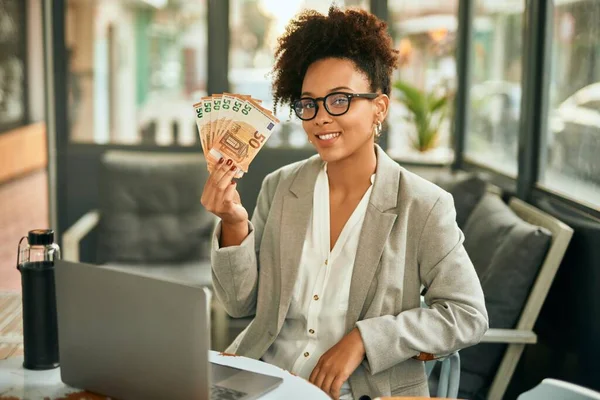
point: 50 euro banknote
(244, 135)
(213, 114)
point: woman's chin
(330, 155)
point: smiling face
(340, 137)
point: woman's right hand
(221, 198)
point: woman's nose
(322, 116)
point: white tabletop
(17, 382)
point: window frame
(535, 85)
(537, 49)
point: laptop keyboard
(222, 393)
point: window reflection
(134, 69)
(572, 165)
(425, 35)
(495, 93)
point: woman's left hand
(338, 363)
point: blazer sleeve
(235, 268)
(457, 316)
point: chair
(449, 379)
(523, 334)
(553, 389)
(150, 220)
(492, 228)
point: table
(19, 383)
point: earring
(377, 129)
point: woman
(332, 263)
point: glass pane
(135, 69)
(495, 93)
(12, 64)
(425, 35)
(255, 26)
(572, 165)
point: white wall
(116, 14)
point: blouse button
(311, 331)
(316, 297)
(306, 354)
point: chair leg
(454, 381)
(449, 379)
(443, 382)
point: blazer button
(364, 397)
(316, 297)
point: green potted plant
(427, 111)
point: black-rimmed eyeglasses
(336, 104)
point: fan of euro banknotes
(233, 126)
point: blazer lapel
(373, 238)
(296, 213)
(374, 234)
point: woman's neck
(354, 172)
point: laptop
(132, 336)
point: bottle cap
(40, 237)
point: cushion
(507, 253)
(150, 208)
(467, 190)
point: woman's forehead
(324, 75)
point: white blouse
(316, 319)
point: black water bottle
(35, 261)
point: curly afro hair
(352, 34)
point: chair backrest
(561, 236)
(516, 250)
(553, 389)
(150, 208)
(466, 189)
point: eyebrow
(330, 91)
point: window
(135, 70)
(13, 47)
(495, 93)
(425, 35)
(255, 26)
(571, 166)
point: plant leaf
(428, 111)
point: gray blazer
(409, 238)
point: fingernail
(232, 182)
(221, 160)
(229, 162)
(233, 168)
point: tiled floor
(23, 207)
